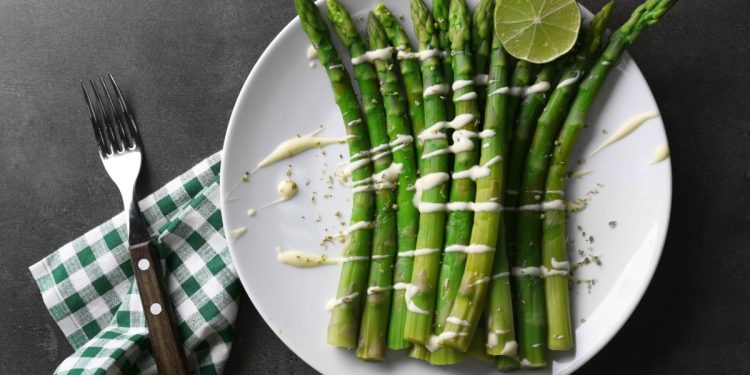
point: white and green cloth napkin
(88, 285)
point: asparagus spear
(413, 83)
(481, 44)
(440, 13)
(554, 257)
(535, 170)
(377, 302)
(463, 187)
(432, 186)
(470, 299)
(500, 328)
(342, 328)
(529, 305)
(522, 74)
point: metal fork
(119, 146)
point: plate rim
(571, 366)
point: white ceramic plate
(284, 97)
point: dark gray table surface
(182, 67)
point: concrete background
(182, 67)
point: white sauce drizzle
(500, 274)
(483, 280)
(570, 81)
(626, 128)
(354, 122)
(422, 55)
(435, 130)
(297, 145)
(401, 141)
(377, 289)
(427, 182)
(311, 53)
(440, 89)
(370, 56)
(462, 142)
(510, 348)
(287, 189)
(474, 206)
(469, 249)
(468, 96)
(481, 79)
(251, 212)
(552, 272)
(458, 321)
(336, 66)
(555, 205)
(331, 304)
(410, 291)
(359, 225)
(235, 234)
(522, 91)
(461, 83)
(581, 172)
(478, 171)
(661, 154)
(526, 271)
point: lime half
(538, 31)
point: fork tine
(129, 121)
(117, 122)
(114, 142)
(94, 122)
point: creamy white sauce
(481, 79)
(527, 364)
(354, 122)
(510, 348)
(500, 274)
(336, 66)
(410, 291)
(555, 205)
(526, 271)
(482, 280)
(422, 55)
(427, 182)
(560, 265)
(458, 321)
(478, 171)
(462, 142)
(434, 342)
(626, 128)
(569, 81)
(461, 83)
(468, 96)
(251, 212)
(440, 89)
(359, 225)
(660, 154)
(377, 289)
(388, 176)
(370, 56)
(474, 206)
(297, 145)
(435, 130)
(331, 304)
(522, 91)
(311, 53)
(287, 189)
(235, 234)
(469, 249)
(400, 142)
(552, 272)
(581, 172)
(303, 259)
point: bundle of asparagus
(436, 225)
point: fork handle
(165, 340)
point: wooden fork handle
(165, 340)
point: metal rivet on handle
(143, 264)
(155, 309)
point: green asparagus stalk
(470, 299)
(440, 13)
(463, 187)
(481, 44)
(432, 187)
(347, 307)
(522, 75)
(413, 83)
(554, 256)
(500, 328)
(374, 324)
(405, 165)
(529, 220)
(529, 305)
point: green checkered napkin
(89, 289)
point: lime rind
(538, 31)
